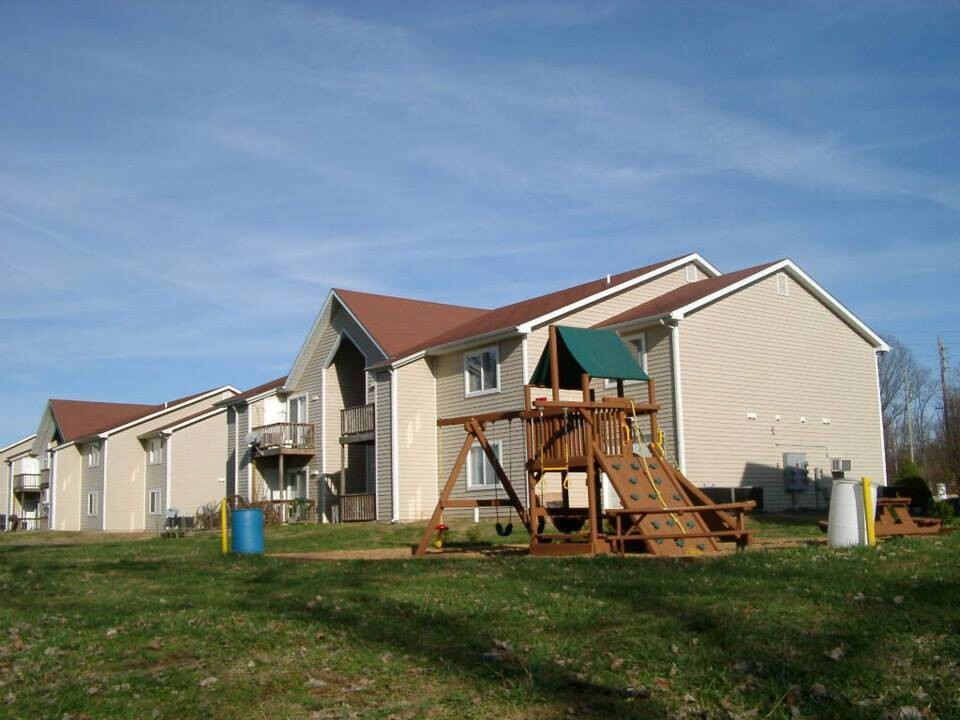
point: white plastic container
(847, 522)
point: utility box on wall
(796, 476)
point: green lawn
(152, 628)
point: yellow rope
(663, 502)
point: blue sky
(181, 183)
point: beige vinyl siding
(127, 459)
(759, 352)
(231, 468)
(659, 363)
(12, 453)
(384, 487)
(417, 439)
(244, 457)
(452, 402)
(91, 480)
(69, 505)
(155, 478)
(323, 396)
(197, 466)
(251, 478)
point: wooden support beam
(478, 503)
(554, 364)
(748, 505)
(445, 495)
(482, 418)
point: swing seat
(504, 530)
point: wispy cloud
(206, 176)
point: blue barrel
(247, 535)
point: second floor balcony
(284, 439)
(357, 424)
(27, 482)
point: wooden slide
(663, 510)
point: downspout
(677, 393)
(53, 489)
(525, 358)
(9, 498)
(322, 484)
(394, 445)
(883, 440)
(103, 494)
(168, 451)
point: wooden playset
(657, 510)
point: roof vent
(608, 278)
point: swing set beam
(474, 428)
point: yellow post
(223, 526)
(867, 514)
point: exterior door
(297, 413)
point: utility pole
(909, 411)
(943, 389)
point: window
(93, 503)
(93, 455)
(480, 472)
(154, 454)
(481, 371)
(297, 409)
(45, 461)
(155, 501)
(692, 274)
(783, 288)
(637, 344)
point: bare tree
(907, 394)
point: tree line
(921, 418)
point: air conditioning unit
(840, 465)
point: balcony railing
(26, 481)
(296, 436)
(357, 420)
(358, 507)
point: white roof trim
(336, 348)
(293, 377)
(528, 326)
(230, 402)
(18, 442)
(159, 413)
(811, 286)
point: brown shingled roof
(81, 418)
(397, 323)
(681, 296)
(509, 316)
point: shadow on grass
(468, 648)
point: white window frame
(93, 455)
(306, 407)
(691, 273)
(783, 284)
(154, 493)
(642, 360)
(93, 503)
(154, 451)
(497, 446)
(45, 461)
(495, 349)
